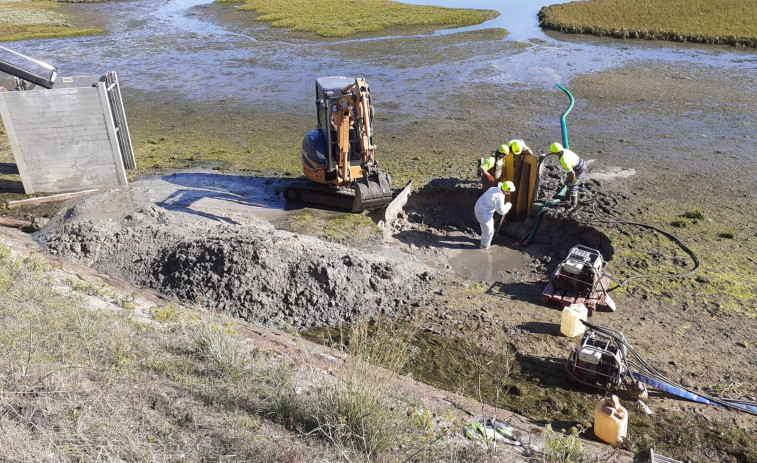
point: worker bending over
(493, 200)
(518, 146)
(491, 168)
(573, 165)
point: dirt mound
(250, 270)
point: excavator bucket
(372, 191)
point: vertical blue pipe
(562, 119)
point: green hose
(545, 206)
(562, 118)
(554, 202)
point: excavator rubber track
(365, 195)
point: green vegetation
(730, 234)
(79, 383)
(694, 214)
(730, 22)
(334, 227)
(725, 282)
(563, 448)
(681, 222)
(334, 18)
(216, 137)
(22, 20)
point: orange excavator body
(338, 157)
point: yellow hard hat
(503, 149)
(516, 146)
(508, 186)
(555, 147)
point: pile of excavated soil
(250, 270)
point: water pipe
(537, 219)
(562, 118)
(554, 202)
(692, 396)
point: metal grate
(655, 458)
(113, 90)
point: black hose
(662, 232)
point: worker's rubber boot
(573, 200)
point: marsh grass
(352, 229)
(724, 284)
(334, 18)
(22, 20)
(730, 22)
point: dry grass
(731, 22)
(84, 384)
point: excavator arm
(364, 119)
(341, 121)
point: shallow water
(177, 46)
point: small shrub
(730, 234)
(694, 214)
(681, 222)
(563, 448)
(213, 344)
(164, 313)
(476, 288)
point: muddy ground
(660, 141)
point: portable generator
(601, 360)
(580, 271)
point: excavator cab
(338, 155)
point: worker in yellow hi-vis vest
(518, 146)
(491, 168)
(573, 165)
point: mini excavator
(338, 156)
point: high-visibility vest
(569, 160)
(492, 161)
(520, 142)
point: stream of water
(177, 46)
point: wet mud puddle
(498, 263)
